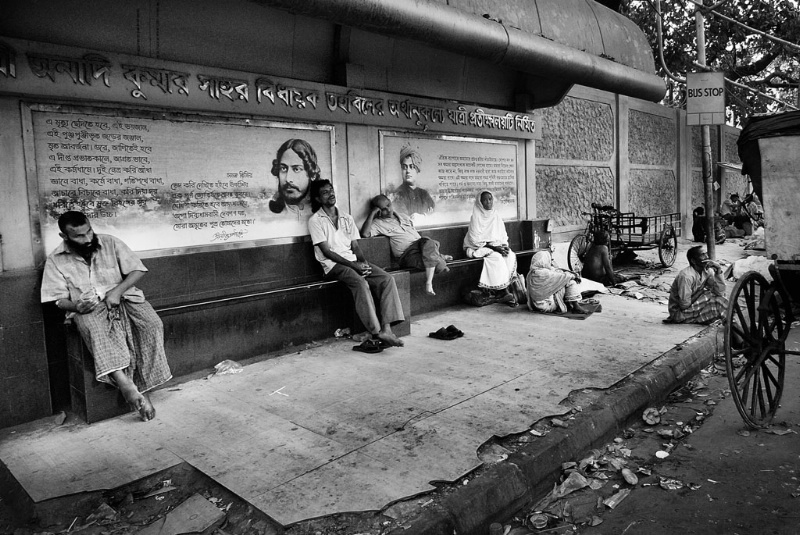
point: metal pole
(708, 179)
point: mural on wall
(161, 182)
(436, 179)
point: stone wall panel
(697, 145)
(577, 129)
(651, 139)
(698, 195)
(563, 192)
(652, 192)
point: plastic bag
(227, 367)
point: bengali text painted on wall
(161, 184)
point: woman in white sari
(487, 238)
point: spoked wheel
(578, 248)
(668, 246)
(755, 348)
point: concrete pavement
(326, 430)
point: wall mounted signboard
(705, 98)
(173, 182)
(450, 173)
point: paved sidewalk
(327, 430)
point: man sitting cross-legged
(335, 238)
(698, 292)
(597, 263)
(91, 277)
(411, 249)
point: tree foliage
(743, 55)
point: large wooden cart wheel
(756, 328)
(668, 246)
(578, 248)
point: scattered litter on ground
(227, 367)
(342, 333)
(651, 416)
(616, 499)
(779, 432)
(668, 483)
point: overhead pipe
(457, 31)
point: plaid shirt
(67, 275)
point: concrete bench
(243, 303)
(464, 272)
(202, 333)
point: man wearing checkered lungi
(91, 277)
(697, 294)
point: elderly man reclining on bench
(410, 249)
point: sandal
(369, 346)
(443, 334)
(455, 330)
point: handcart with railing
(626, 231)
(760, 312)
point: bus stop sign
(705, 98)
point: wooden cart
(626, 230)
(760, 312)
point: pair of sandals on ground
(451, 332)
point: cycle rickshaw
(626, 230)
(760, 312)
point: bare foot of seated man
(386, 335)
(140, 402)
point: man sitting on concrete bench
(411, 249)
(91, 277)
(335, 238)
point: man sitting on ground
(335, 238)
(597, 263)
(733, 212)
(698, 292)
(411, 249)
(91, 277)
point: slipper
(368, 346)
(443, 334)
(383, 344)
(455, 330)
(507, 298)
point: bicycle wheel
(578, 248)
(668, 246)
